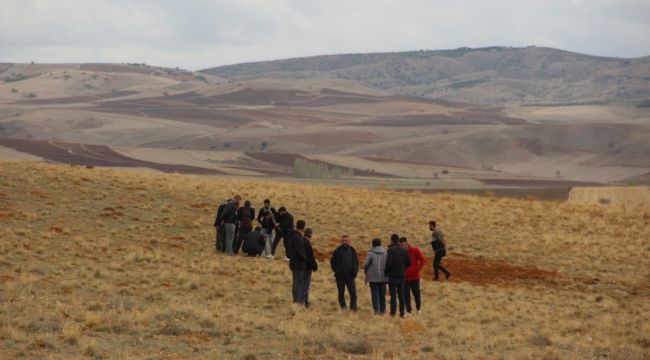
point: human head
(282, 210)
(345, 240)
(247, 203)
(267, 202)
(307, 233)
(258, 228)
(376, 242)
(404, 242)
(237, 199)
(300, 225)
(394, 239)
(432, 225)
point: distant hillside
(494, 75)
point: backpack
(246, 217)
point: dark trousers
(378, 296)
(341, 284)
(217, 242)
(279, 235)
(436, 264)
(243, 232)
(396, 289)
(298, 287)
(306, 282)
(414, 287)
(221, 238)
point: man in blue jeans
(374, 270)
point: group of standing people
(396, 267)
(234, 228)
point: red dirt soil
(475, 270)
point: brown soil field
(334, 138)
(536, 182)
(92, 155)
(106, 263)
(76, 99)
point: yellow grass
(629, 196)
(118, 264)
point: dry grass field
(106, 263)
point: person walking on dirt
(412, 275)
(229, 221)
(245, 216)
(439, 249)
(220, 242)
(397, 261)
(312, 264)
(373, 268)
(283, 227)
(345, 265)
(298, 262)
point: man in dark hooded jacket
(297, 262)
(345, 265)
(397, 260)
(254, 243)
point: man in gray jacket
(374, 270)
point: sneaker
(447, 276)
(270, 256)
(286, 259)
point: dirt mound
(474, 270)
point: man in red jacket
(412, 276)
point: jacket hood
(378, 250)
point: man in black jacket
(312, 264)
(297, 262)
(439, 250)
(283, 227)
(229, 222)
(397, 260)
(345, 265)
(245, 216)
(220, 242)
(266, 218)
(254, 243)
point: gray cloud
(200, 33)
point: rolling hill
(494, 75)
(137, 115)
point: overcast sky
(196, 34)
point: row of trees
(303, 168)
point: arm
(421, 260)
(407, 259)
(367, 263)
(252, 214)
(389, 264)
(334, 260)
(355, 262)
